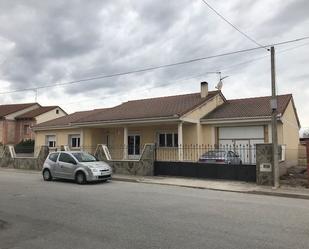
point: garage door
(242, 140)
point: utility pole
(274, 106)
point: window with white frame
(51, 141)
(168, 139)
(74, 141)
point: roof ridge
(64, 117)
(30, 103)
(49, 106)
(101, 109)
(260, 97)
(90, 113)
(37, 111)
(169, 96)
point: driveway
(37, 214)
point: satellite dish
(220, 84)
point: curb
(252, 192)
(286, 195)
(25, 171)
(119, 179)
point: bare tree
(306, 133)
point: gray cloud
(58, 41)
(292, 14)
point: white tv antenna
(220, 83)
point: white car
(75, 165)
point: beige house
(16, 120)
(173, 123)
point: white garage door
(242, 140)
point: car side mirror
(73, 162)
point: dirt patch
(296, 176)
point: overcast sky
(50, 42)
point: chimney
(204, 89)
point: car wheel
(80, 178)
(47, 175)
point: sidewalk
(218, 185)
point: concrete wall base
(142, 167)
(9, 159)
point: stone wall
(9, 159)
(142, 167)
(302, 155)
(264, 164)
(1, 150)
(264, 157)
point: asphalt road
(37, 214)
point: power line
(155, 67)
(231, 24)
(261, 58)
(215, 71)
(161, 85)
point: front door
(134, 142)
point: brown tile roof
(150, 108)
(9, 109)
(137, 109)
(36, 112)
(66, 120)
(248, 108)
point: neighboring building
(304, 136)
(204, 118)
(16, 120)
(304, 140)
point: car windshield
(84, 157)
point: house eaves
(109, 123)
(238, 120)
(174, 118)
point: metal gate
(241, 172)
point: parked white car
(75, 165)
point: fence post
(43, 153)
